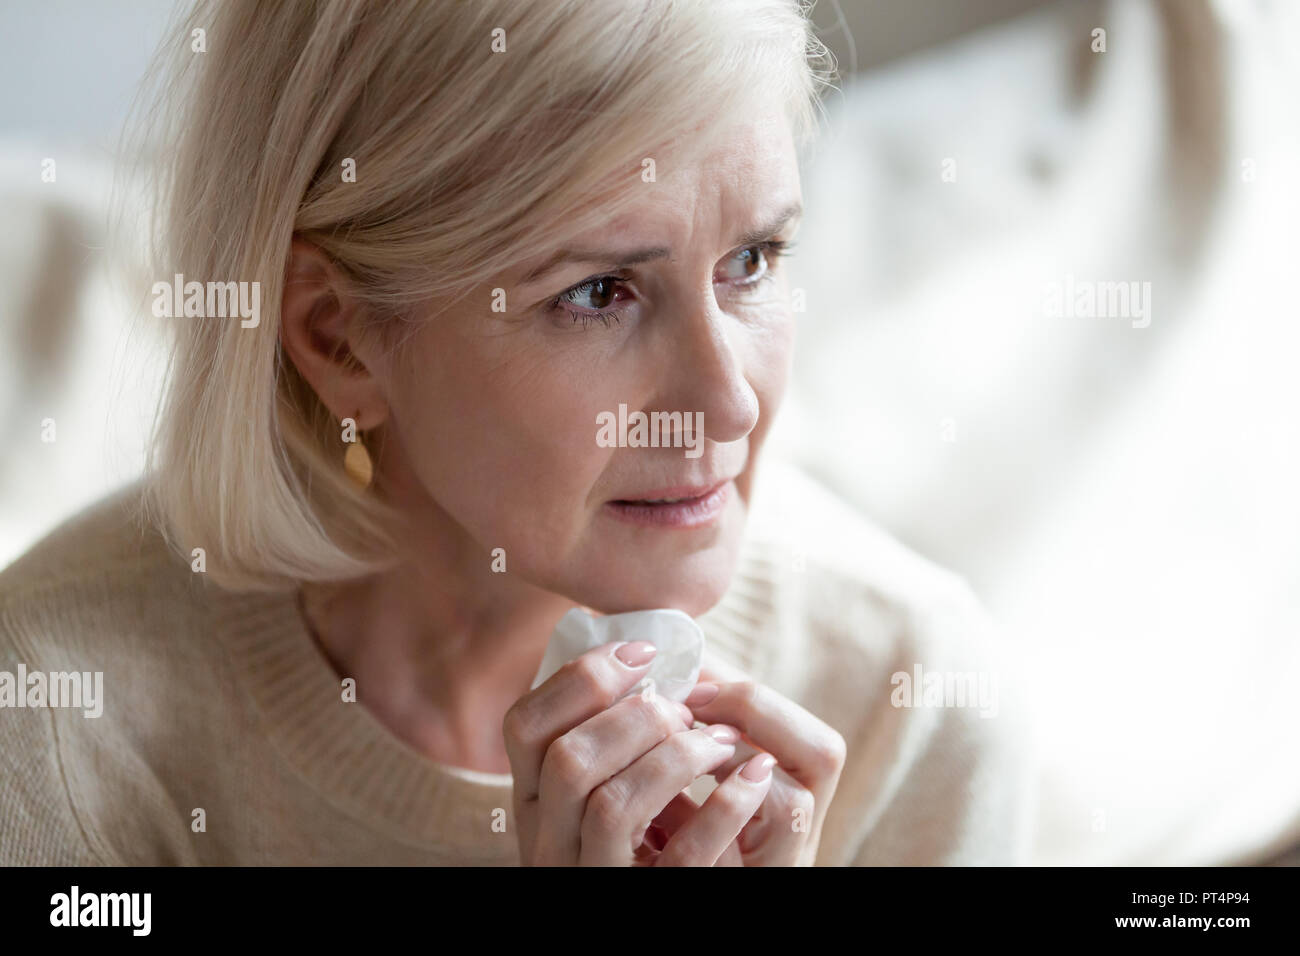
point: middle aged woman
(483, 228)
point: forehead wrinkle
(718, 181)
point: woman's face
(507, 422)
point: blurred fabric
(1120, 496)
(1123, 498)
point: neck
(440, 646)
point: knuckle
(732, 802)
(676, 756)
(703, 752)
(666, 720)
(684, 850)
(803, 800)
(654, 713)
(745, 692)
(568, 761)
(607, 810)
(517, 726)
(829, 754)
(590, 677)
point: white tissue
(680, 643)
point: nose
(709, 371)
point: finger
(646, 853)
(662, 827)
(703, 839)
(745, 751)
(586, 756)
(579, 690)
(807, 748)
(786, 822)
(619, 810)
(785, 829)
(731, 856)
(682, 808)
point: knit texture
(222, 702)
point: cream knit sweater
(221, 702)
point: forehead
(748, 171)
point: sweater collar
(358, 764)
(342, 750)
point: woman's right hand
(591, 772)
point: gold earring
(356, 461)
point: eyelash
(773, 251)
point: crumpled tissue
(680, 642)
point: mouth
(677, 507)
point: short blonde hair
(474, 129)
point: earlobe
(317, 323)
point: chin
(693, 585)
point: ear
(318, 319)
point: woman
(476, 231)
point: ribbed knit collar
(359, 765)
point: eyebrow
(621, 260)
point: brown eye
(595, 295)
(602, 294)
(594, 301)
(747, 266)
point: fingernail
(702, 694)
(757, 770)
(636, 654)
(724, 734)
(687, 717)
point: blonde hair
(466, 156)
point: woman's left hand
(810, 754)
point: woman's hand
(810, 755)
(591, 774)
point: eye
(753, 264)
(596, 295)
(591, 301)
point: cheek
(768, 365)
(768, 362)
(502, 444)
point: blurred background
(1118, 484)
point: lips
(675, 493)
(679, 506)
